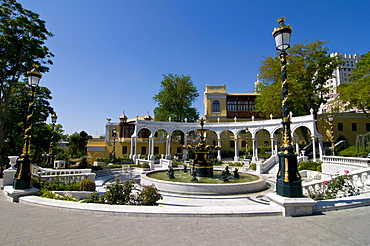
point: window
(156, 150)
(232, 144)
(368, 127)
(252, 106)
(124, 150)
(128, 130)
(231, 106)
(143, 150)
(243, 106)
(354, 127)
(340, 127)
(266, 143)
(244, 144)
(216, 106)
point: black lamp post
(246, 143)
(54, 118)
(288, 183)
(23, 175)
(114, 134)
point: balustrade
(62, 175)
(359, 178)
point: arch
(144, 132)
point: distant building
(341, 75)
(220, 106)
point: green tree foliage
(363, 142)
(355, 94)
(22, 38)
(16, 118)
(175, 98)
(77, 144)
(309, 67)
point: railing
(62, 175)
(267, 165)
(142, 161)
(165, 163)
(346, 161)
(359, 178)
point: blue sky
(110, 55)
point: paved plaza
(24, 224)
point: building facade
(232, 123)
(341, 75)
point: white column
(296, 139)
(236, 157)
(132, 148)
(219, 144)
(168, 148)
(321, 147)
(272, 146)
(151, 146)
(255, 150)
(135, 148)
(185, 152)
(313, 148)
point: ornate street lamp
(288, 183)
(246, 143)
(54, 118)
(332, 138)
(114, 134)
(23, 175)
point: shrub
(235, 164)
(340, 185)
(118, 193)
(351, 151)
(36, 182)
(148, 196)
(253, 166)
(86, 185)
(215, 162)
(309, 165)
(145, 165)
(227, 153)
(48, 194)
(176, 163)
(93, 198)
(59, 186)
(112, 166)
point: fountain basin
(205, 189)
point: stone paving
(22, 224)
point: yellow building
(220, 106)
(346, 126)
(232, 123)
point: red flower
(325, 182)
(346, 171)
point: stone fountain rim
(261, 178)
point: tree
(77, 144)
(309, 67)
(16, 118)
(175, 99)
(22, 38)
(355, 94)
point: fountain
(201, 164)
(202, 180)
